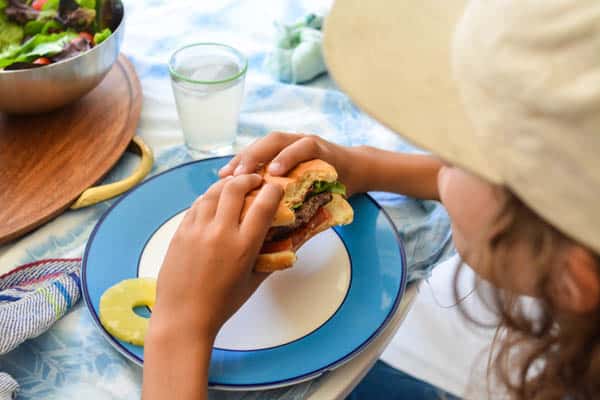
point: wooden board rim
(126, 133)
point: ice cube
(214, 70)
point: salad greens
(102, 36)
(333, 187)
(38, 46)
(10, 33)
(51, 5)
(45, 27)
(38, 32)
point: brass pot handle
(98, 194)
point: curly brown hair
(540, 351)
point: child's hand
(286, 150)
(207, 273)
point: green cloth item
(297, 56)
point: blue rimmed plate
(304, 321)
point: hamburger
(313, 201)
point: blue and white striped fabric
(72, 360)
(8, 387)
(32, 298)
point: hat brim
(392, 58)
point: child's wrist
(357, 169)
(164, 326)
(174, 352)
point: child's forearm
(176, 365)
(413, 175)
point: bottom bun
(340, 213)
(275, 261)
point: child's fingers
(257, 279)
(188, 218)
(307, 148)
(259, 217)
(263, 151)
(233, 196)
(228, 168)
(206, 205)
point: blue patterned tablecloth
(73, 360)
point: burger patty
(303, 214)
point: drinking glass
(208, 84)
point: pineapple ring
(116, 309)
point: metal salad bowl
(37, 90)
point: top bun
(298, 181)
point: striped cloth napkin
(32, 298)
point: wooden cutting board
(47, 161)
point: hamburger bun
(296, 185)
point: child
(521, 183)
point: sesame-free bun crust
(299, 180)
(272, 262)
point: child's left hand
(206, 276)
(207, 273)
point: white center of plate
(289, 305)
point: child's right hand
(286, 150)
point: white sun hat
(507, 89)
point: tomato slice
(297, 236)
(321, 216)
(42, 61)
(275, 247)
(38, 4)
(87, 36)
